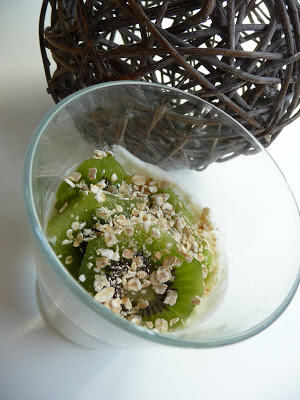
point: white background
(36, 363)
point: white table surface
(35, 362)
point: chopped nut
(105, 294)
(148, 240)
(204, 272)
(82, 278)
(157, 255)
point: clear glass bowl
(251, 204)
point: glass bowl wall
(251, 204)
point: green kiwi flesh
(186, 281)
(106, 167)
(79, 216)
(82, 208)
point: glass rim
(62, 273)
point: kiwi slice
(82, 212)
(105, 168)
(183, 211)
(179, 206)
(148, 269)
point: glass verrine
(251, 203)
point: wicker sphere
(241, 55)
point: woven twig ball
(241, 55)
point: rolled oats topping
(174, 321)
(161, 325)
(196, 300)
(105, 294)
(138, 180)
(135, 244)
(171, 297)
